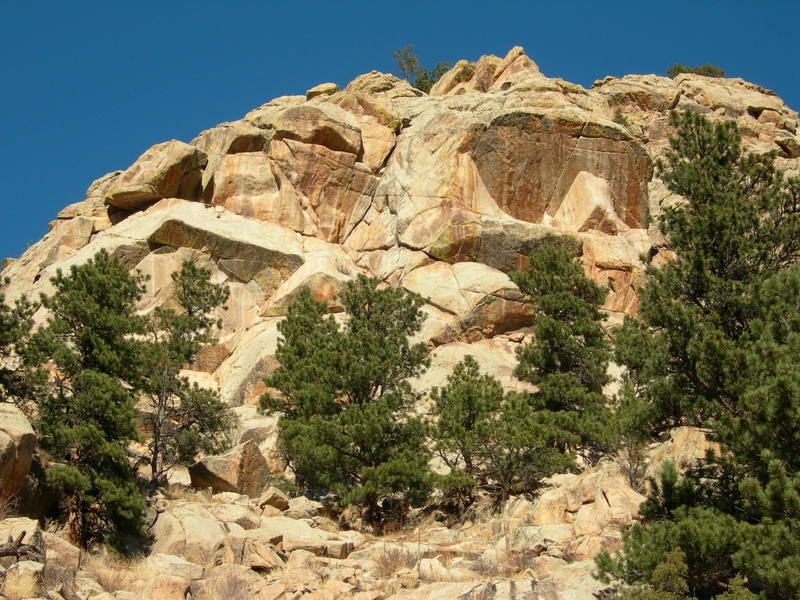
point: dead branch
(19, 550)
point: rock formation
(442, 194)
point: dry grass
(392, 559)
(227, 587)
(505, 564)
(113, 573)
(9, 505)
(180, 492)
(54, 575)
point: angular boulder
(292, 535)
(241, 469)
(253, 549)
(168, 170)
(17, 443)
(189, 531)
(323, 89)
(272, 496)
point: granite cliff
(442, 194)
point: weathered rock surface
(13, 528)
(241, 469)
(168, 170)
(190, 531)
(442, 194)
(17, 443)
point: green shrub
(620, 119)
(707, 70)
(490, 440)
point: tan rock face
(323, 184)
(528, 162)
(17, 443)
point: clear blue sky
(88, 86)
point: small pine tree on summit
(410, 68)
(706, 70)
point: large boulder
(168, 170)
(244, 249)
(188, 530)
(485, 299)
(253, 549)
(17, 443)
(241, 469)
(645, 92)
(291, 534)
(225, 139)
(274, 497)
(592, 501)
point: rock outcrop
(17, 443)
(442, 194)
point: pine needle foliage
(182, 418)
(568, 359)
(717, 346)
(410, 68)
(739, 225)
(490, 441)
(345, 401)
(87, 419)
(705, 70)
(21, 377)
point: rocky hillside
(442, 194)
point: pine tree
(21, 378)
(490, 440)
(568, 359)
(345, 400)
(87, 419)
(739, 225)
(410, 68)
(525, 447)
(706, 70)
(464, 416)
(718, 346)
(182, 418)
